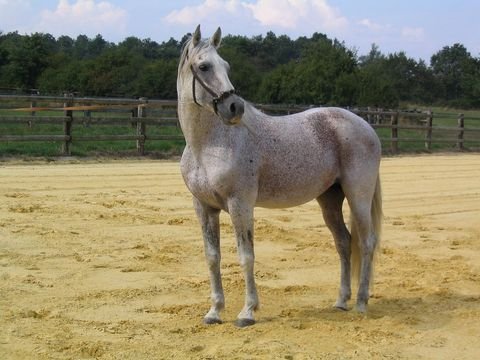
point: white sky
(420, 28)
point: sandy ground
(105, 260)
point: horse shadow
(419, 312)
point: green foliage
(459, 74)
(322, 73)
(269, 69)
(156, 80)
(375, 85)
(24, 58)
(278, 86)
(243, 72)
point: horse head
(210, 88)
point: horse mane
(188, 52)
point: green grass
(125, 147)
(86, 148)
(442, 118)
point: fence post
(369, 116)
(428, 134)
(33, 104)
(394, 124)
(67, 126)
(87, 115)
(141, 127)
(461, 126)
(379, 116)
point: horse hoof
(241, 323)
(340, 306)
(211, 321)
(361, 308)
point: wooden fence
(78, 111)
(142, 114)
(422, 122)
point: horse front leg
(331, 202)
(242, 219)
(209, 220)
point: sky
(420, 28)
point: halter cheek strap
(193, 92)
(216, 98)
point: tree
(244, 75)
(80, 49)
(114, 73)
(27, 59)
(72, 76)
(313, 78)
(65, 45)
(158, 80)
(277, 86)
(458, 72)
(269, 69)
(375, 85)
(374, 88)
(97, 46)
(169, 50)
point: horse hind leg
(365, 245)
(365, 227)
(331, 203)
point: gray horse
(237, 158)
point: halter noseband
(217, 98)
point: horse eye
(203, 67)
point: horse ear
(197, 36)
(216, 38)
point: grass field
(80, 129)
(442, 118)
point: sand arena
(105, 260)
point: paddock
(104, 259)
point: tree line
(265, 69)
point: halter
(217, 98)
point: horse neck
(200, 126)
(197, 123)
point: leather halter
(217, 98)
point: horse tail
(376, 214)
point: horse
(237, 158)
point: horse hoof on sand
(211, 321)
(241, 323)
(361, 308)
(340, 306)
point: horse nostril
(233, 108)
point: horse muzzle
(229, 108)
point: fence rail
(142, 114)
(79, 112)
(428, 128)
